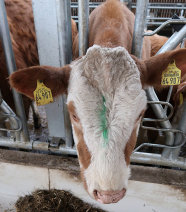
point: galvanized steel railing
(158, 11)
(168, 157)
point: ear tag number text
(171, 75)
(42, 94)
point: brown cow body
(106, 97)
(22, 32)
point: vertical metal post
(83, 15)
(53, 29)
(128, 3)
(139, 26)
(11, 67)
(181, 126)
(65, 36)
(124, 1)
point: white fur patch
(112, 73)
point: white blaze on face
(110, 73)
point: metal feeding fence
(55, 50)
(158, 11)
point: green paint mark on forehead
(104, 127)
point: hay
(53, 201)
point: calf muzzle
(107, 197)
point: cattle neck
(109, 39)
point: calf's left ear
(25, 80)
(152, 68)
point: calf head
(106, 101)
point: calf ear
(152, 68)
(25, 80)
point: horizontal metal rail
(37, 146)
(181, 133)
(137, 157)
(156, 159)
(164, 7)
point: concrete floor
(18, 180)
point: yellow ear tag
(171, 75)
(42, 94)
(181, 98)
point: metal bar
(37, 146)
(5, 109)
(182, 139)
(181, 126)
(139, 26)
(54, 46)
(65, 34)
(64, 30)
(159, 18)
(168, 98)
(161, 119)
(11, 67)
(163, 6)
(172, 21)
(172, 43)
(15, 122)
(156, 159)
(159, 111)
(83, 14)
(166, 7)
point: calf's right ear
(25, 80)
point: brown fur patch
(130, 145)
(83, 152)
(111, 25)
(157, 41)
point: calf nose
(107, 197)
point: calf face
(106, 101)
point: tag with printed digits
(171, 75)
(42, 94)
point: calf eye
(75, 118)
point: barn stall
(29, 163)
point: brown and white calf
(106, 97)
(22, 32)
